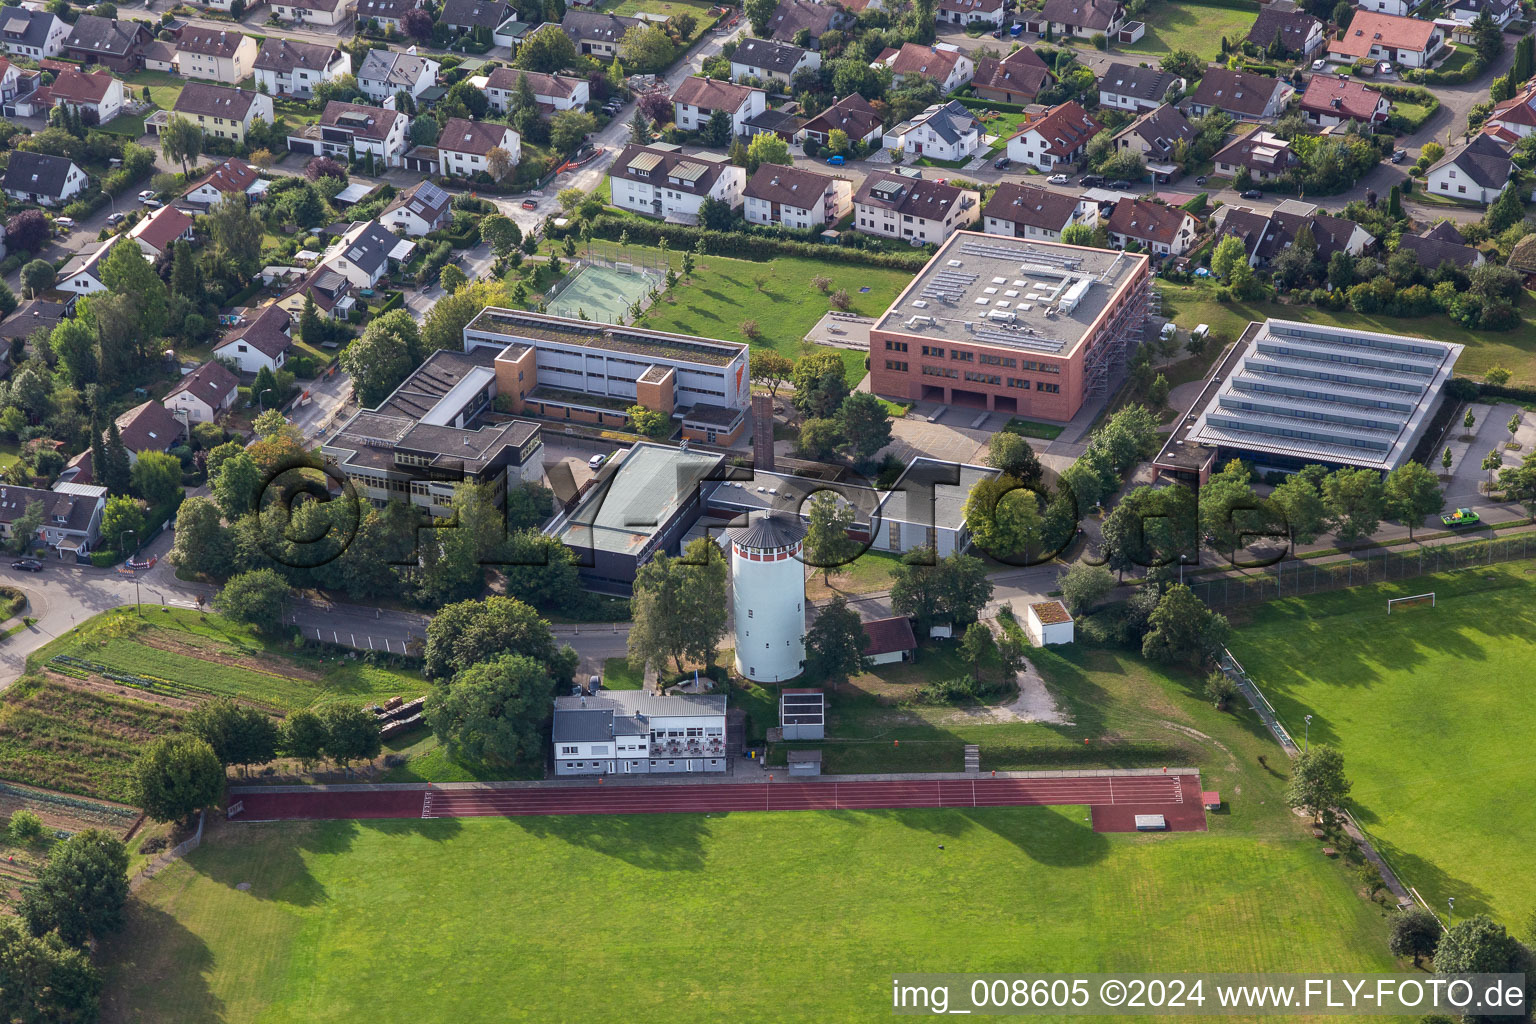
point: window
(1054, 389)
(567, 750)
(892, 364)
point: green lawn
(1172, 26)
(667, 9)
(868, 573)
(1430, 709)
(1193, 304)
(675, 918)
(724, 294)
(213, 654)
(164, 88)
(618, 674)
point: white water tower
(768, 597)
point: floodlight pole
(1181, 570)
(1308, 735)
(123, 544)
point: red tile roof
(233, 175)
(1340, 97)
(162, 227)
(78, 87)
(1371, 28)
(927, 61)
(1064, 128)
(887, 636)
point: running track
(1115, 800)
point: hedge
(738, 245)
(1252, 6)
(1516, 392)
(977, 103)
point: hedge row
(738, 245)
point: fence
(1296, 577)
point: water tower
(768, 597)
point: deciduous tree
(496, 712)
(827, 545)
(176, 777)
(255, 598)
(1412, 493)
(835, 643)
(1317, 782)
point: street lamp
(1309, 734)
(122, 545)
(261, 405)
(1181, 570)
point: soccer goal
(623, 268)
(1416, 598)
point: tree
(202, 544)
(303, 737)
(718, 130)
(835, 642)
(1184, 64)
(952, 589)
(388, 351)
(1084, 585)
(496, 712)
(24, 529)
(646, 48)
(547, 51)
(81, 890)
(255, 598)
(977, 647)
(716, 215)
(1229, 510)
(569, 127)
(865, 425)
(1012, 454)
(126, 273)
(1480, 945)
(236, 234)
(819, 438)
(1507, 210)
(501, 233)
(821, 384)
(28, 230)
(1415, 932)
(769, 368)
(443, 326)
(1004, 518)
(176, 777)
(450, 278)
(469, 632)
(758, 13)
(45, 980)
(766, 148)
(679, 607)
(1229, 252)
(1469, 421)
(157, 477)
(181, 141)
(1445, 460)
(238, 734)
(236, 480)
(417, 23)
(25, 827)
(648, 422)
(1299, 502)
(122, 517)
(639, 128)
(1411, 493)
(827, 545)
(498, 163)
(1219, 689)
(1182, 628)
(351, 733)
(1513, 426)
(37, 276)
(1317, 782)
(1355, 504)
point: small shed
(890, 640)
(1211, 799)
(1048, 622)
(805, 762)
(803, 714)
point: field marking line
(1111, 790)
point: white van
(1200, 333)
(1169, 330)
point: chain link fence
(1293, 578)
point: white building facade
(768, 598)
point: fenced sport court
(603, 291)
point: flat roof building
(627, 732)
(643, 501)
(1291, 394)
(1012, 325)
(433, 431)
(582, 372)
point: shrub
(25, 827)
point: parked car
(1399, 155)
(114, 218)
(1058, 179)
(1018, 27)
(837, 160)
(1201, 180)
(1001, 163)
(148, 193)
(529, 204)
(67, 223)
(27, 565)
(1120, 184)
(152, 203)
(1253, 193)
(1319, 65)
(1384, 68)
(1091, 181)
(596, 461)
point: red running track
(1115, 799)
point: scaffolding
(1105, 362)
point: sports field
(1432, 709)
(602, 293)
(795, 916)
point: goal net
(623, 268)
(1415, 599)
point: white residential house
(696, 100)
(943, 64)
(263, 342)
(28, 33)
(914, 210)
(384, 73)
(554, 92)
(419, 210)
(1059, 138)
(326, 13)
(291, 68)
(347, 128)
(1029, 211)
(233, 176)
(659, 181)
(155, 233)
(768, 60)
(363, 253)
(627, 732)
(98, 92)
(43, 179)
(215, 54)
(463, 146)
(1136, 88)
(796, 198)
(969, 12)
(82, 274)
(1475, 171)
(944, 131)
(203, 395)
